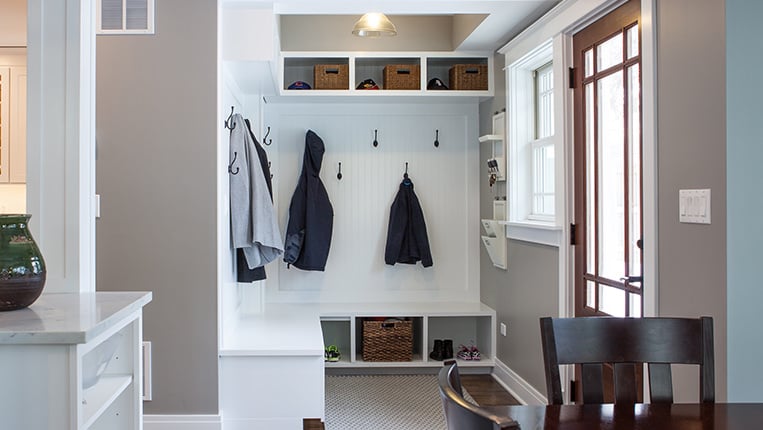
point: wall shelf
(299, 66)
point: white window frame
(523, 223)
(150, 8)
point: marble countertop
(68, 318)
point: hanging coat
(407, 240)
(243, 272)
(311, 217)
(254, 226)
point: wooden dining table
(680, 416)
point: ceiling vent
(125, 17)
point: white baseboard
(518, 387)
(182, 422)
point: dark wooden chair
(461, 414)
(625, 343)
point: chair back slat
(625, 343)
(592, 375)
(626, 390)
(660, 383)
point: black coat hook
(229, 124)
(437, 138)
(339, 175)
(376, 143)
(230, 166)
(265, 139)
(405, 175)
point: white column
(61, 139)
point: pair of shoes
(332, 354)
(443, 350)
(469, 353)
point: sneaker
(464, 353)
(475, 353)
(332, 354)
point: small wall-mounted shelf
(495, 241)
(496, 164)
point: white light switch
(694, 206)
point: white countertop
(68, 318)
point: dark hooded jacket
(311, 217)
(407, 240)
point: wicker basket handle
(403, 71)
(472, 71)
(331, 71)
(388, 325)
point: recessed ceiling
(474, 25)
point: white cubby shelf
(463, 323)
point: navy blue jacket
(311, 217)
(407, 240)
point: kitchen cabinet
(73, 361)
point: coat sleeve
(395, 231)
(240, 192)
(420, 233)
(295, 230)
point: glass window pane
(634, 305)
(612, 301)
(634, 145)
(611, 181)
(609, 53)
(632, 42)
(590, 295)
(590, 181)
(137, 14)
(544, 101)
(588, 62)
(111, 14)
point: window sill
(535, 232)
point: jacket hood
(314, 150)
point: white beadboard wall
(445, 180)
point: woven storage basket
(402, 77)
(468, 77)
(331, 77)
(387, 341)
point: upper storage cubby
(386, 74)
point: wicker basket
(468, 77)
(402, 77)
(387, 341)
(331, 77)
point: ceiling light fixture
(374, 25)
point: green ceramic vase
(22, 269)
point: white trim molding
(182, 422)
(520, 389)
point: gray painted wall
(691, 150)
(529, 289)
(691, 154)
(744, 140)
(156, 131)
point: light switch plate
(694, 206)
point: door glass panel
(612, 301)
(588, 62)
(634, 305)
(590, 294)
(634, 156)
(590, 181)
(632, 42)
(610, 52)
(611, 163)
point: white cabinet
(13, 124)
(494, 238)
(73, 361)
